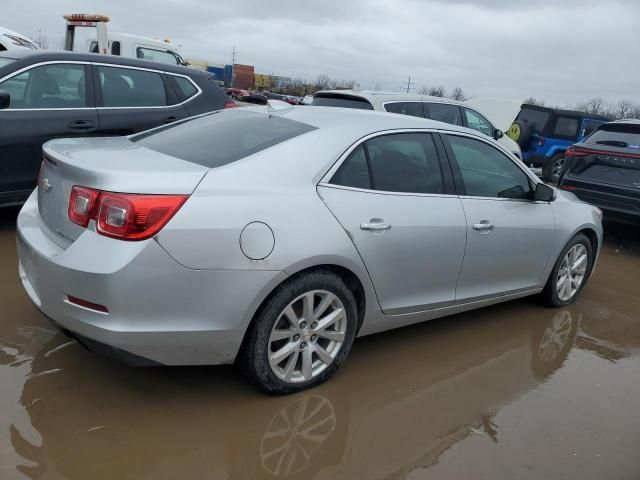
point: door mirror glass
(498, 134)
(5, 100)
(544, 193)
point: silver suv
(435, 108)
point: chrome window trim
(384, 192)
(102, 64)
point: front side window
(566, 127)
(162, 56)
(403, 162)
(487, 172)
(48, 86)
(406, 108)
(124, 87)
(442, 112)
(478, 123)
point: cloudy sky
(562, 51)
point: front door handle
(375, 224)
(82, 125)
(484, 226)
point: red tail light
(230, 105)
(579, 152)
(123, 215)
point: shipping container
(262, 81)
(243, 76)
(218, 72)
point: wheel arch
(362, 289)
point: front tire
(301, 335)
(570, 273)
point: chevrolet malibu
(273, 237)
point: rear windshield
(536, 119)
(341, 101)
(623, 136)
(221, 137)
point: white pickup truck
(135, 46)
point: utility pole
(233, 64)
(409, 84)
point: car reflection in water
(403, 399)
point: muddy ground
(511, 391)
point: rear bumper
(159, 310)
(619, 203)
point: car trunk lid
(108, 164)
(603, 164)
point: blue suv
(544, 134)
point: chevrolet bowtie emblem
(46, 185)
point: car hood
(499, 111)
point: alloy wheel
(572, 272)
(556, 169)
(307, 336)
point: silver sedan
(273, 237)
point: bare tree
(423, 90)
(624, 108)
(323, 82)
(458, 94)
(437, 91)
(534, 101)
(595, 106)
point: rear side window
(344, 101)
(405, 163)
(621, 135)
(221, 137)
(124, 87)
(186, 89)
(566, 127)
(535, 119)
(406, 108)
(442, 112)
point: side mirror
(544, 193)
(498, 134)
(5, 100)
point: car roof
(559, 111)
(37, 56)
(357, 121)
(380, 96)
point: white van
(10, 40)
(135, 46)
(435, 108)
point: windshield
(344, 101)
(222, 137)
(620, 135)
(536, 119)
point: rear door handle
(82, 125)
(375, 224)
(170, 119)
(484, 226)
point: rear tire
(552, 168)
(301, 335)
(570, 273)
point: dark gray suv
(46, 95)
